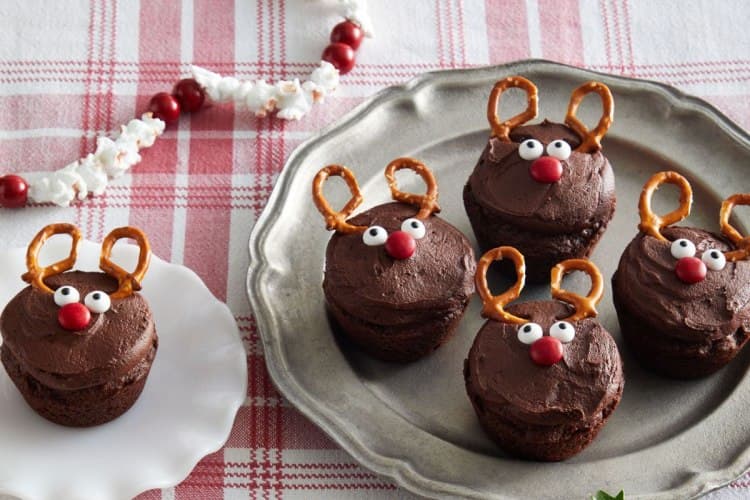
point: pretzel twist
(651, 223)
(502, 130)
(585, 307)
(337, 220)
(128, 283)
(590, 140)
(36, 275)
(493, 306)
(427, 202)
(742, 243)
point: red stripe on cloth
(560, 29)
(301, 434)
(207, 229)
(36, 154)
(507, 30)
(159, 40)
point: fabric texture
(71, 71)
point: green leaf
(603, 495)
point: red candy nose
(690, 270)
(546, 169)
(400, 245)
(74, 317)
(546, 351)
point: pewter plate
(414, 423)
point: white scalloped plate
(667, 439)
(197, 383)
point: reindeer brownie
(545, 189)
(79, 345)
(683, 294)
(397, 277)
(543, 376)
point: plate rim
(177, 463)
(396, 468)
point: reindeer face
(550, 172)
(396, 253)
(77, 301)
(545, 329)
(688, 276)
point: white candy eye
(682, 248)
(414, 227)
(97, 302)
(714, 259)
(375, 236)
(66, 295)
(563, 331)
(530, 149)
(559, 149)
(528, 333)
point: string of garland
(289, 100)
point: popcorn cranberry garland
(112, 158)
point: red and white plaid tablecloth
(76, 69)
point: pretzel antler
(501, 130)
(742, 243)
(337, 220)
(590, 140)
(36, 274)
(585, 307)
(128, 283)
(493, 306)
(651, 223)
(427, 203)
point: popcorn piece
(292, 101)
(262, 98)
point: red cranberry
(14, 191)
(341, 56)
(165, 107)
(400, 245)
(690, 270)
(189, 94)
(349, 33)
(546, 170)
(546, 351)
(74, 316)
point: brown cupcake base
(542, 443)
(667, 355)
(84, 407)
(542, 251)
(400, 344)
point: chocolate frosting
(366, 283)
(502, 185)
(508, 383)
(705, 312)
(113, 344)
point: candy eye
(563, 331)
(530, 149)
(528, 333)
(559, 149)
(414, 227)
(714, 259)
(66, 295)
(97, 302)
(375, 236)
(682, 248)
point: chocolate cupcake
(545, 189)
(79, 345)
(682, 294)
(542, 396)
(397, 277)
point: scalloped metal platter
(414, 423)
